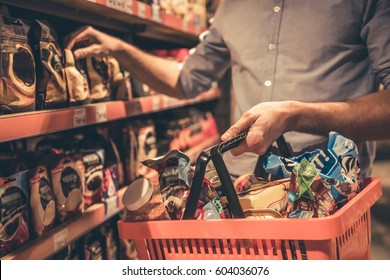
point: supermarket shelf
(56, 239)
(124, 16)
(23, 125)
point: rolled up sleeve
(206, 65)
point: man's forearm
(365, 118)
(160, 74)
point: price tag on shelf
(60, 239)
(111, 205)
(156, 103)
(101, 113)
(184, 25)
(115, 4)
(156, 12)
(141, 9)
(80, 117)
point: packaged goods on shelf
(18, 83)
(15, 214)
(94, 177)
(77, 80)
(67, 173)
(97, 71)
(94, 245)
(140, 144)
(111, 240)
(42, 201)
(120, 81)
(51, 89)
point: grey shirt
(305, 50)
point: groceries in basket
(175, 180)
(143, 202)
(338, 167)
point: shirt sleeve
(376, 33)
(206, 65)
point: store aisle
(380, 214)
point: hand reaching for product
(265, 123)
(89, 42)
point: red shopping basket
(344, 235)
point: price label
(156, 103)
(115, 4)
(156, 12)
(101, 113)
(60, 239)
(111, 204)
(128, 7)
(141, 9)
(80, 117)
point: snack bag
(17, 71)
(14, 210)
(94, 177)
(119, 80)
(309, 196)
(338, 166)
(175, 180)
(42, 201)
(255, 193)
(98, 79)
(51, 91)
(68, 179)
(76, 79)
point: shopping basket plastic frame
(343, 235)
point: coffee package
(42, 201)
(51, 91)
(98, 78)
(17, 71)
(14, 212)
(94, 177)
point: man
(300, 68)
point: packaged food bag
(68, 179)
(94, 178)
(51, 91)
(98, 78)
(17, 71)
(14, 210)
(338, 166)
(76, 79)
(42, 201)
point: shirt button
(271, 46)
(276, 9)
(267, 83)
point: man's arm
(366, 117)
(159, 73)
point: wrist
(293, 114)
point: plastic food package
(51, 90)
(14, 210)
(68, 181)
(42, 201)
(338, 166)
(17, 72)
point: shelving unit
(56, 239)
(124, 16)
(16, 126)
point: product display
(14, 209)
(51, 89)
(17, 72)
(42, 201)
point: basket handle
(214, 154)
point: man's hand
(264, 123)
(89, 42)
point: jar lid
(137, 194)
